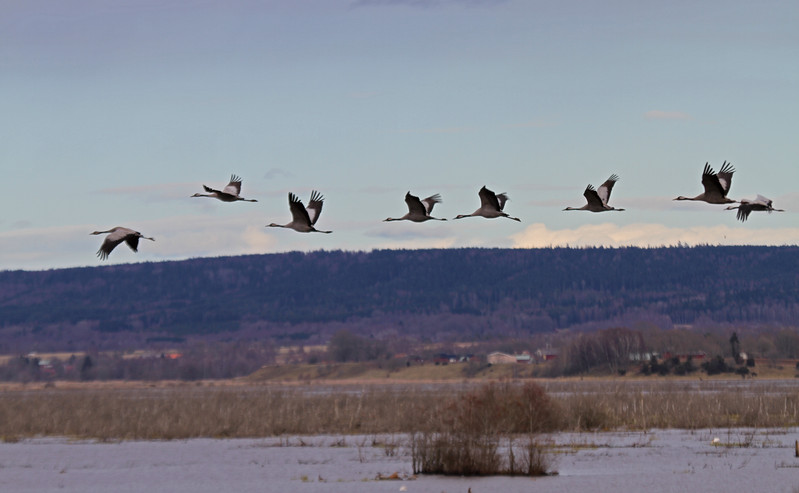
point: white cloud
(156, 192)
(438, 130)
(651, 235)
(417, 243)
(177, 237)
(534, 124)
(667, 115)
(426, 3)
(362, 95)
(410, 231)
(275, 173)
(195, 236)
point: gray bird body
(597, 199)
(303, 219)
(228, 194)
(491, 206)
(419, 210)
(716, 185)
(746, 206)
(116, 236)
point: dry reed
(489, 431)
(265, 411)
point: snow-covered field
(742, 460)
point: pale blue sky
(115, 112)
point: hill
(425, 294)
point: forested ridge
(476, 292)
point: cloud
(533, 124)
(376, 189)
(426, 3)
(21, 224)
(201, 235)
(273, 173)
(788, 201)
(438, 130)
(651, 235)
(362, 95)
(177, 237)
(409, 231)
(417, 243)
(667, 115)
(30, 248)
(154, 193)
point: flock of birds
(492, 205)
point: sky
(113, 113)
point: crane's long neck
(473, 214)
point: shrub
(489, 431)
(715, 366)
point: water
(654, 461)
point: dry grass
(488, 431)
(186, 412)
(675, 404)
(174, 410)
(389, 371)
(392, 371)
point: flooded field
(742, 459)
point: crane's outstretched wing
(314, 209)
(604, 189)
(234, 187)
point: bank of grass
(247, 410)
(391, 371)
(386, 372)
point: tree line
(612, 351)
(435, 294)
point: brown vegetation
(193, 410)
(488, 431)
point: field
(247, 408)
(765, 370)
(346, 434)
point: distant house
(547, 354)
(497, 358)
(445, 359)
(46, 368)
(694, 355)
(410, 358)
(642, 356)
(524, 358)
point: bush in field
(715, 366)
(668, 366)
(489, 431)
(345, 346)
